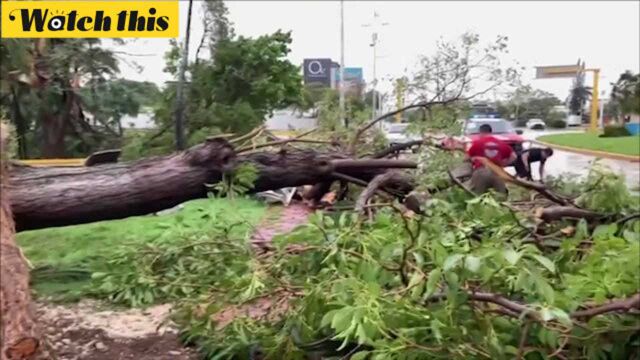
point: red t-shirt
(491, 148)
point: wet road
(579, 164)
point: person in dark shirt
(529, 156)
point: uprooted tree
(55, 197)
(18, 329)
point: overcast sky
(605, 34)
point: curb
(596, 153)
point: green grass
(627, 145)
(87, 247)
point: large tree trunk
(59, 196)
(47, 197)
(19, 337)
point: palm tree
(578, 95)
(626, 93)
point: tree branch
(374, 186)
(518, 308)
(361, 130)
(613, 306)
(374, 163)
(397, 147)
(560, 212)
(283, 141)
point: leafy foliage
(237, 182)
(404, 288)
(625, 94)
(615, 131)
(526, 103)
(234, 91)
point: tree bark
(19, 336)
(48, 197)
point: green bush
(615, 131)
(556, 120)
(557, 124)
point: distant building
(327, 72)
(144, 120)
(287, 119)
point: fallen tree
(18, 331)
(59, 196)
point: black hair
(486, 128)
(548, 151)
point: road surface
(579, 164)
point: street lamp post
(374, 37)
(341, 82)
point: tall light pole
(374, 42)
(341, 82)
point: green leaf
(562, 316)
(98, 275)
(631, 236)
(435, 329)
(545, 262)
(511, 256)
(452, 261)
(432, 282)
(342, 319)
(545, 289)
(452, 280)
(419, 259)
(546, 314)
(472, 263)
(327, 319)
(360, 355)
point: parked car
(396, 133)
(536, 124)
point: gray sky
(606, 34)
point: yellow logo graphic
(90, 19)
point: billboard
(558, 71)
(317, 71)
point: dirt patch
(289, 218)
(85, 331)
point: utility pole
(341, 87)
(179, 122)
(374, 42)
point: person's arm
(511, 159)
(525, 161)
(507, 154)
(473, 151)
(542, 162)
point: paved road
(579, 164)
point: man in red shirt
(498, 152)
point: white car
(574, 120)
(536, 124)
(396, 133)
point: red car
(501, 129)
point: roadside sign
(558, 71)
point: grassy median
(65, 257)
(626, 145)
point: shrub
(556, 120)
(615, 131)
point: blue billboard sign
(351, 74)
